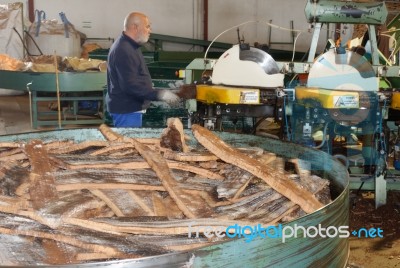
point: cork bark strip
(9, 145)
(158, 164)
(276, 179)
(42, 186)
(108, 201)
(141, 165)
(175, 122)
(62, 238)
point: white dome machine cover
(247, 67)
(343, 71)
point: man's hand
(168, 96)
(187, 91)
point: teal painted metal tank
(46, 82)
(261, 252)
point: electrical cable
(359, 188)
(323, 137)
(212, 42)
(294, 45)
(254, 21)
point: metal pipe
(205, 22)
(291, 90)
(30, 102)
(58, 90)
(31, 10)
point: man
(129, 84)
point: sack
(49, 37)
(11, 30)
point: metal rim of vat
(261, 252)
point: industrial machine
(345, 106)
(244, 83)
(339, 106)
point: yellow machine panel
(329, 99)
(395, 101)
(227, 95)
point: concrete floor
(15, 116)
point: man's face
(143, 31)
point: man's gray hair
(133, 18)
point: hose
(342, 157)
(323, 137)
(254, 21)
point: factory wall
(263, 16)
(103, 19)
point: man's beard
(143, 39)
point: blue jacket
(129, 85)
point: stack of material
(8, 63)
(47, 64)
(82, 65)
(128, 198)
(44, 63)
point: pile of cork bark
(128, 197)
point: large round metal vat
(261, 252)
